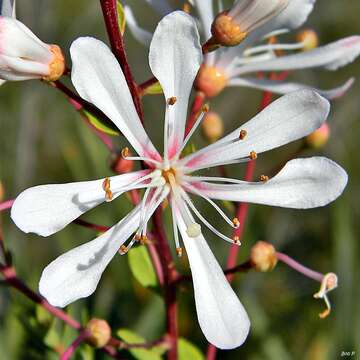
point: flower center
(211, 80)
(168, 173)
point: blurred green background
(43, 140)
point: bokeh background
(43, 140)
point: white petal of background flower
(301, 184)
(98, 78)
(175, 57)
(331, 57)
(46, 209)
(222, 318)
(8, 8)
(285, 87)
(287, 119)
(75, 274)
(140, 34)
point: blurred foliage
(43, 140)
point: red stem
(195, 109)
(66, 355)
(170, 275)
(143, 86)
(109, 9)
(6, 204)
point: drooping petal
(330, 57)
(285, 87)
(287, 119)
(98, 78)
(46, 209)
(175, 58)
(222, 318)
(301, 184)
(141, 35)
(75, 274)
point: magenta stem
(299, 268)
(66, 355)
(6, 204)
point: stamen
(236, 240)
(172, 100)
(187, 7)
(236, 222)
(125, 152)
(264, 178)
(179, 251)
(123, 249)
(243, 134)
(215, 206)
(253, 155)
(204, 110)
(193, 179)
(273, 47)
(206, 223)
(106, 188)
(329, 282)
(175, 229)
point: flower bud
(100, 332)
(309, 38)
(212, 126)
(319, 137)
(231, 27)
(23, 56)
(210, 80)
(263, 256)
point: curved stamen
(175, 230)
(273, 47)
(275, 33)
(206, 223)
(216, 207)
(193, 179)
(125, 155)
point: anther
(123, 249)
(125, 152)
(236, 240)
(206, 108)
(172, 100)
(144, 240)
(236, 222)
(243, 134)
(137, 237)
(179, 251)
(329, 282)
(264, 178)
(187, 7)
(106, 188)
(253, 155)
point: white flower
(24, 56)
(228, 67)
(175, 57)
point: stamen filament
(175, 230)
(142, 158)
(273, 47)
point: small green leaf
(121, 17)
(142, 267)
(187, 350)
(106, 126)
(154, 89)
(43, 316)
(141, 354)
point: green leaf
(121, 17)
(187, 350)
(131, 337)
(106, 126)
(43, 316)
(142, 267)
(154, 89)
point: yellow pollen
(206, 108)
(125, 152)
(179, 251)
(172, 100)
(166, 174)
(236, 240)
(106, 188)
(236, 222)
(253, 155)
(264, 178)
(57, 65)
(187, 7)
(243, 134)
(123, 249)
(144, 240)
(137, 237)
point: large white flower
(175, 58)
(230, 66)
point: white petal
(75, 274)
(222, 318)
(19, 41)
(285, 87)
(141, 35)
(330, 57)
(301, 184)
(206, 14)
(46, 209)
(287, 119)
(7, 8)
(98, 78)
(175, 57)
(161, 6)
